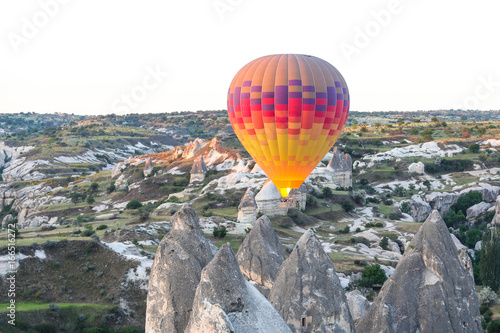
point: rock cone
(307, 292)
(225, 299)
(430, 290)
(176, 271)
(261, 253)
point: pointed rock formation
(247, 210)
(430, 291)
(307, 291)
(176, 271)
(298, 197)
(198, 170)
(261, 253)
(225, 299)
(193, 147)
(269, 200)
(342, 166)
(148, 167)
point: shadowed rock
(307, 292)
(176, 271)
(242, 307)
(261, 253)
(358, 304)
(247, 210)
(430, 290)
(148, 167)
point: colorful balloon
(288, 110)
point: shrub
(487, 297)
(90, 199)
(359, 196)
(327, 192)
(101, 227)
(405, 207)
(45, 328)
(373, 274)
(134, 204)
(111, 188)
(87, 233)
(468, 200)
(346, 230)
(474, 148)
(347, 206)
(384, 243)
(220, 232)
(472, 237)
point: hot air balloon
(288, 110)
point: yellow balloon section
(288, 110)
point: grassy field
(34, 306)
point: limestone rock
(496, 218)
(198, 170)
(261, 253)
(269, 200)
(165, 209)
(442, 201)
(185, 219)
(420, 209)
(307, 292)
(193, 147)
(298, 197)
(340, 161)
(429, 291)
(6, 220)
(417, 168)
(148, 167)
(338, 173)
(117, 169)
(358, 304)
(247, 210)
(478, 209)
(121, 184)
(245, 308)
(176, 271)
(110, 216)
(463, 255)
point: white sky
(90, 54)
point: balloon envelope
(288, 110)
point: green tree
(94, 187)
(133, 204)
(490, 260)
(90, 199)
(481, 131)
(472, 237)
(427, 135)
(427, 184)
(327, 192)
(474, 148)
(466, 201)
(384, 243)
(373, 274)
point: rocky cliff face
(430, 291)
(261, 253)
(307, 292)
(176, 271)
(496, 218)
(226, 302)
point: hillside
(92, 198)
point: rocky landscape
(181, 216)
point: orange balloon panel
(288, 110)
